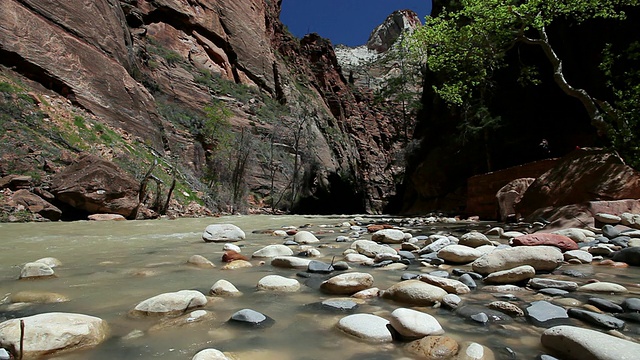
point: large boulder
(511, 194)
(574, 343)
(222, 233)
(170, 303)
(53, 333)
(541, 258)
(581, 176)
(95, 185)
(36, 204)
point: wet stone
(468, 280)
(605, 305)
(622, 241)
(593, 318)
(630, 256)
(252, 318)
(339, 304)
(610, 232)
(319, 267)
(631, 304)
(440, 273)
(553, 292)
(633, 317)
(575, 273)
(290, 243)
(406, 255)
(545, 314)
(482, 318)
(471, 311)
(408, 276)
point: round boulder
(542, 258)
(388, 236)
(413, 324)
(347, 284)
(223, 233)
(367, 327)
(170, 303)
(36, 270)
(459, 254)
(273, 251)
(50, 334)
(305, 237)
(278, 283)
(415, 292)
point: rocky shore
(547, 284)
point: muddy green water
(109, 267)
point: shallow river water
(109, 267)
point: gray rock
(553, 292)
(319, 267)
(468, 280)
(630, 256)
(339, 304)
(223, 233)
(482, 318)
(622, 241)
(366, 327)
(605, 305)
(544, 314)
(541, 283)
(493, 316)
(631, 304)
(579, 255)
(610, 231)
(576, 343)
(436, 246)
(593, 318)
(452, 301)
(249, 317)
(474, 239)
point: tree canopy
(467, 44)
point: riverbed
(109, 267)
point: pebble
(249, 317)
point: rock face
(388, 32)
(96, 186)
(511, 194)
(36, 204)
(119, 64)
(581, 176)
(53, 333)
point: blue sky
(347, 22)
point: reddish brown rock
(376, 227)
(96, 186)
(231, 255)
(509, 195)
(36, 205)
(560, 241)
(583, 175)
(16, 182)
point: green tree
(465, 46)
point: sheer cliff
(208, 88)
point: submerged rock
(170, 303)
(249, 317)
(53, 333)
(223, 233)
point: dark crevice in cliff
(34, 72)
(341, 197)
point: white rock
(367, 293)
(200, 261)
(367, 327)
(509, 276)
(474, 351)
(358, 259)
(305, 237)
(224, 288)
(50, 334)
(474, 239)
(347, 283)
(388, 236)
(290, 262)
(604, 287)
(607, 218)
(51, 261)
(459, 254)
(273, 251)
(171, 302)
(36, 270)
(414, 324)
(230, 246)
(415, 292)
(210, 354)
(542, 258)
(631, 220)
(451, 286)
(280, 233)
(223, 233)
(278, 283)
(578, 343)
(371, 248)
(580, 255)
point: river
(109, 267)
